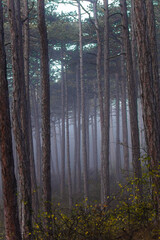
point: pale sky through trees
(68, 7)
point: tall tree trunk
(27, 80)
(63, 126)
(100, 99)
(45, 86)
(12, 227)
(75, 148)
(38, 140)
(20, 115)
(131, 97)
(68, 146)
(95, 136)
(124, 118)
(118, 154)
(147, 49)
(78, 130)
(84, 147)
(56, 151)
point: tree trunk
(12, 227)
(131, 97)
(78, 130)
(75, 148)
(63, 129)
(20, 116)
(147, 49)
(124, 118)
(56, 151)
(45, 86)
(68, 146)
(118, 154)
(27, 80)
(38, 141)
(84, 147)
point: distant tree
(12, 226)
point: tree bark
(84, 147)
(131, 97)
(147, 49)
(27, 81)
(45, 86)
(20, 115)
(118, 154)
(124, 118)
(12, 227)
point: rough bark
(100, 99)
(124, 118)
(45, 86)
(131, 96)
(27, 81)
(146, 44)
(84, 147)
(12, 227)
(20, 116)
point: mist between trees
(79, 120)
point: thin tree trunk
(45, 86)
(27, 80)
(56, 151)
(95, 137)
(38, 141)
(12, 226)
(124, 118)
(68, 146)
(63, 128)
(78, 130)
(84, 147)
(118, 154)
(75, 148)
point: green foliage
(128, 215)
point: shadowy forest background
(79, 119)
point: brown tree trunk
(147, 49)
(68, 146)
(84, 147)
(63, 128)
(78, 130)
(131, 97)
(27, 80)
(118, 154)
(45, 86)
(56, 151)
(38, 140)
(20, 115)
(100, 99)
(124, 118)
(12, 227)
(75, 148)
